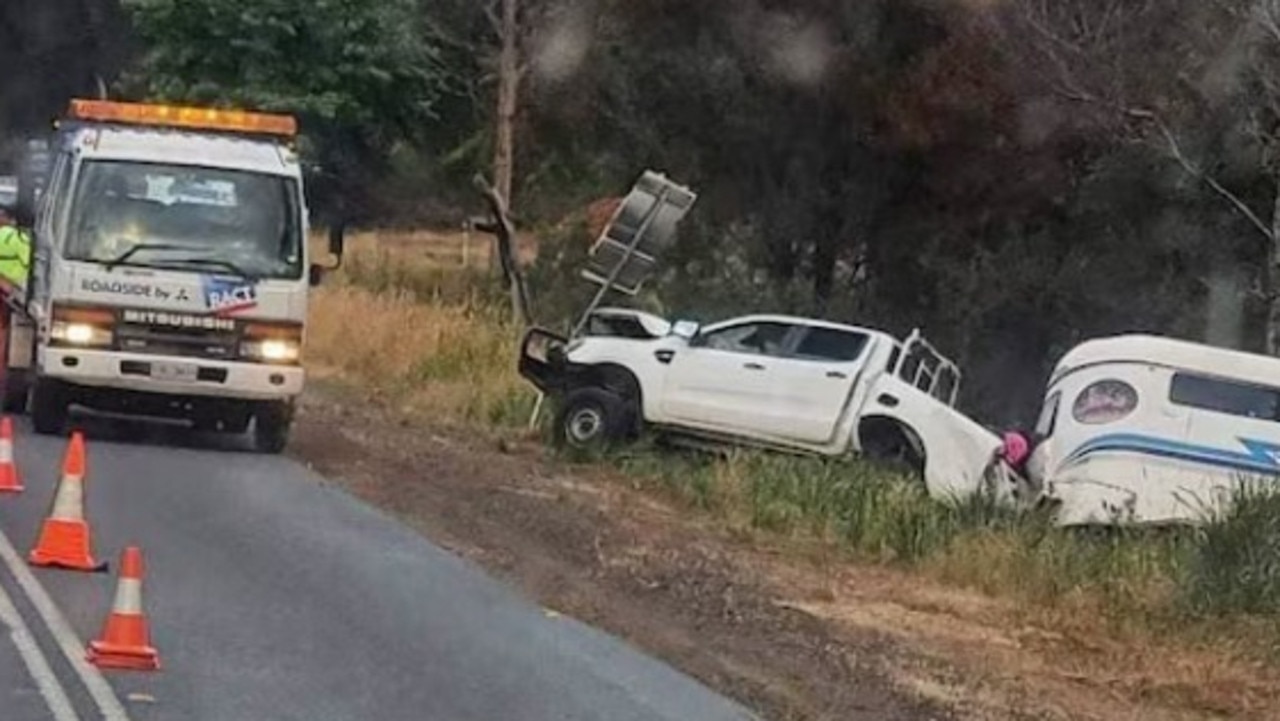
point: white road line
(55, 697)
(72, 648)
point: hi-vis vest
(15, 255)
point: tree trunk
(1271, 280)
(508, 92)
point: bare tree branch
(1267, 16)
(1175, 151)
(495, 20)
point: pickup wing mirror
(685, 329)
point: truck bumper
(134, 372)
(542, 359)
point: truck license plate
(176, 372)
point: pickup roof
(781, 382)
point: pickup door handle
(836, 374)
(753, 366)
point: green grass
(1139, 578)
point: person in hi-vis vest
(15, 250)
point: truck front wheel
(49, 407)
(590, 420)
(271, 424)
(15, 394)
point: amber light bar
(176, 116)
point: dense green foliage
(361, 76)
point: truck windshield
(236, 218)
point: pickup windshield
(186, 217)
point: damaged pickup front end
(544, 360)
(544, 354)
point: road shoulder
(793, 633)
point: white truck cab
(1150, 430)
(775, 381)
(170, 271)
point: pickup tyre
(592, 419)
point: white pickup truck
(780, 382)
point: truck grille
(168, 334)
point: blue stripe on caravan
(1257, 456)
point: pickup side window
(1223, 396)
(617, 326)
(831, 344)
(755, 338)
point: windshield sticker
(132, 289)
(168, 190)
(227, 295)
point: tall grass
(411, 331)
(408, 324)
(1131, 579)
(1235, 567)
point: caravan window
(1223, 396)
(1104, 401)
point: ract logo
(227, 296)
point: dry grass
(453, 359)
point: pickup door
(781, 381)
(815, 382)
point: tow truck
(170, 271)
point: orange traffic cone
(10, 482)
(125, 641)
(64, 539)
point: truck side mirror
(337, 240)
(24, 216)
(24, 209)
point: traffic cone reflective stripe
(65, 537)
(10, 481)
(125, 641)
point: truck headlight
(272, 343)
(82, 327)
(272, 351)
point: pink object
(1015, 449)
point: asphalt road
(274, 596)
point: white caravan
(1151, 430)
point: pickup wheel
(893, 447)
(591, 419)
(49, 407)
